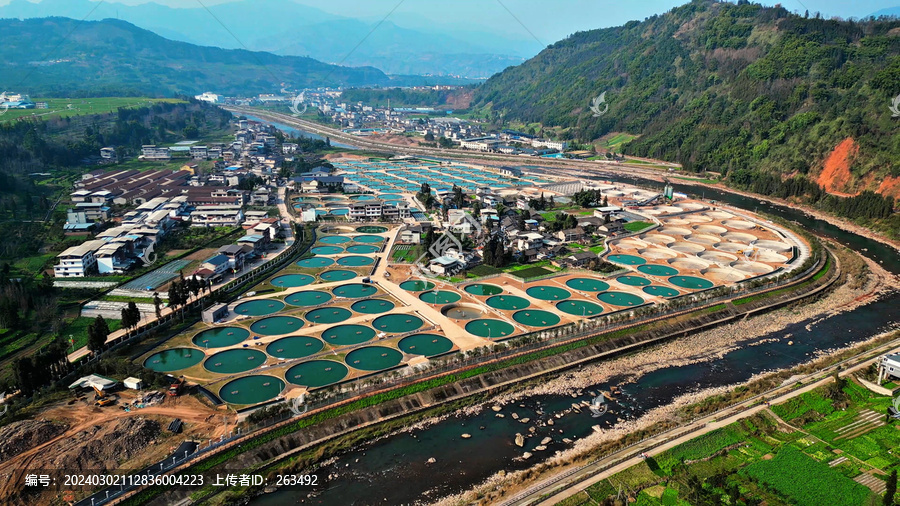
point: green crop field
(637, 226)
(615, 142)
(806, 482)
(834, 439)
(64, 107)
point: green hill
(733, 88)
(65, 57)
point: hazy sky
(546, 20)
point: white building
(889, 367)
(77, 260)
(547, 143)
(199, 152)
(210, 97)
(217, 216)
(152, 152)
(479, 143)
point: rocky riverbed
(702, 347)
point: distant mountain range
(287, 28)
(62, 57)
(890, 11)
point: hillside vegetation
(112, 58)
(734, 88)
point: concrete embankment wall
(323, 432)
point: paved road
(280, 248)
(367, 143)
(575, 480)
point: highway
(554, 489)
(593, 167)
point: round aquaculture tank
(174, 359)
(220, 337)
(316, 373)
(294, 347)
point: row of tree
(868, 205)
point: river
(393, 470)
(297, 132)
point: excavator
(102, 398)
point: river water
(394, 470)
(297, 132)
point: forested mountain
(289, 28)
(65, 57)
(722, 87)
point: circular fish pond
(462, 311)
(633, 280)
(346, 335)
(368, 239)
(259, 307)
(327, 250)
(416, 285)
(588, 284)
(660, 291)
(372, 306)
(292, 280)
(316, 373)
(294, 347)
(536, 318)
(371, 229)
(334, 239)
(425, 344)
(354, 290)
(354, 261)
(691, 282)
(308, 298)
(397, 323)
(483, 289)
(490, 328)
(620, 299)
(174, 359)
(277, 325)
(507, 302)
(362, 197)
(315, 262)
(624, 259)
(220, 337)
(440, 297)
(328, 315)
(390, 196)
(234, 361)
(548, 293)
(337, 275)
(362, 249)
(658, 270)
(251, 389)
(373, 358)
(580, 308)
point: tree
(157, 305)
(520, 222)
(429, 137)
(175, 295)
(9, 313)
(98, 331)
(23, 369)
(890, 489)
(190, 132)
(135, 313)
(131, 315)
